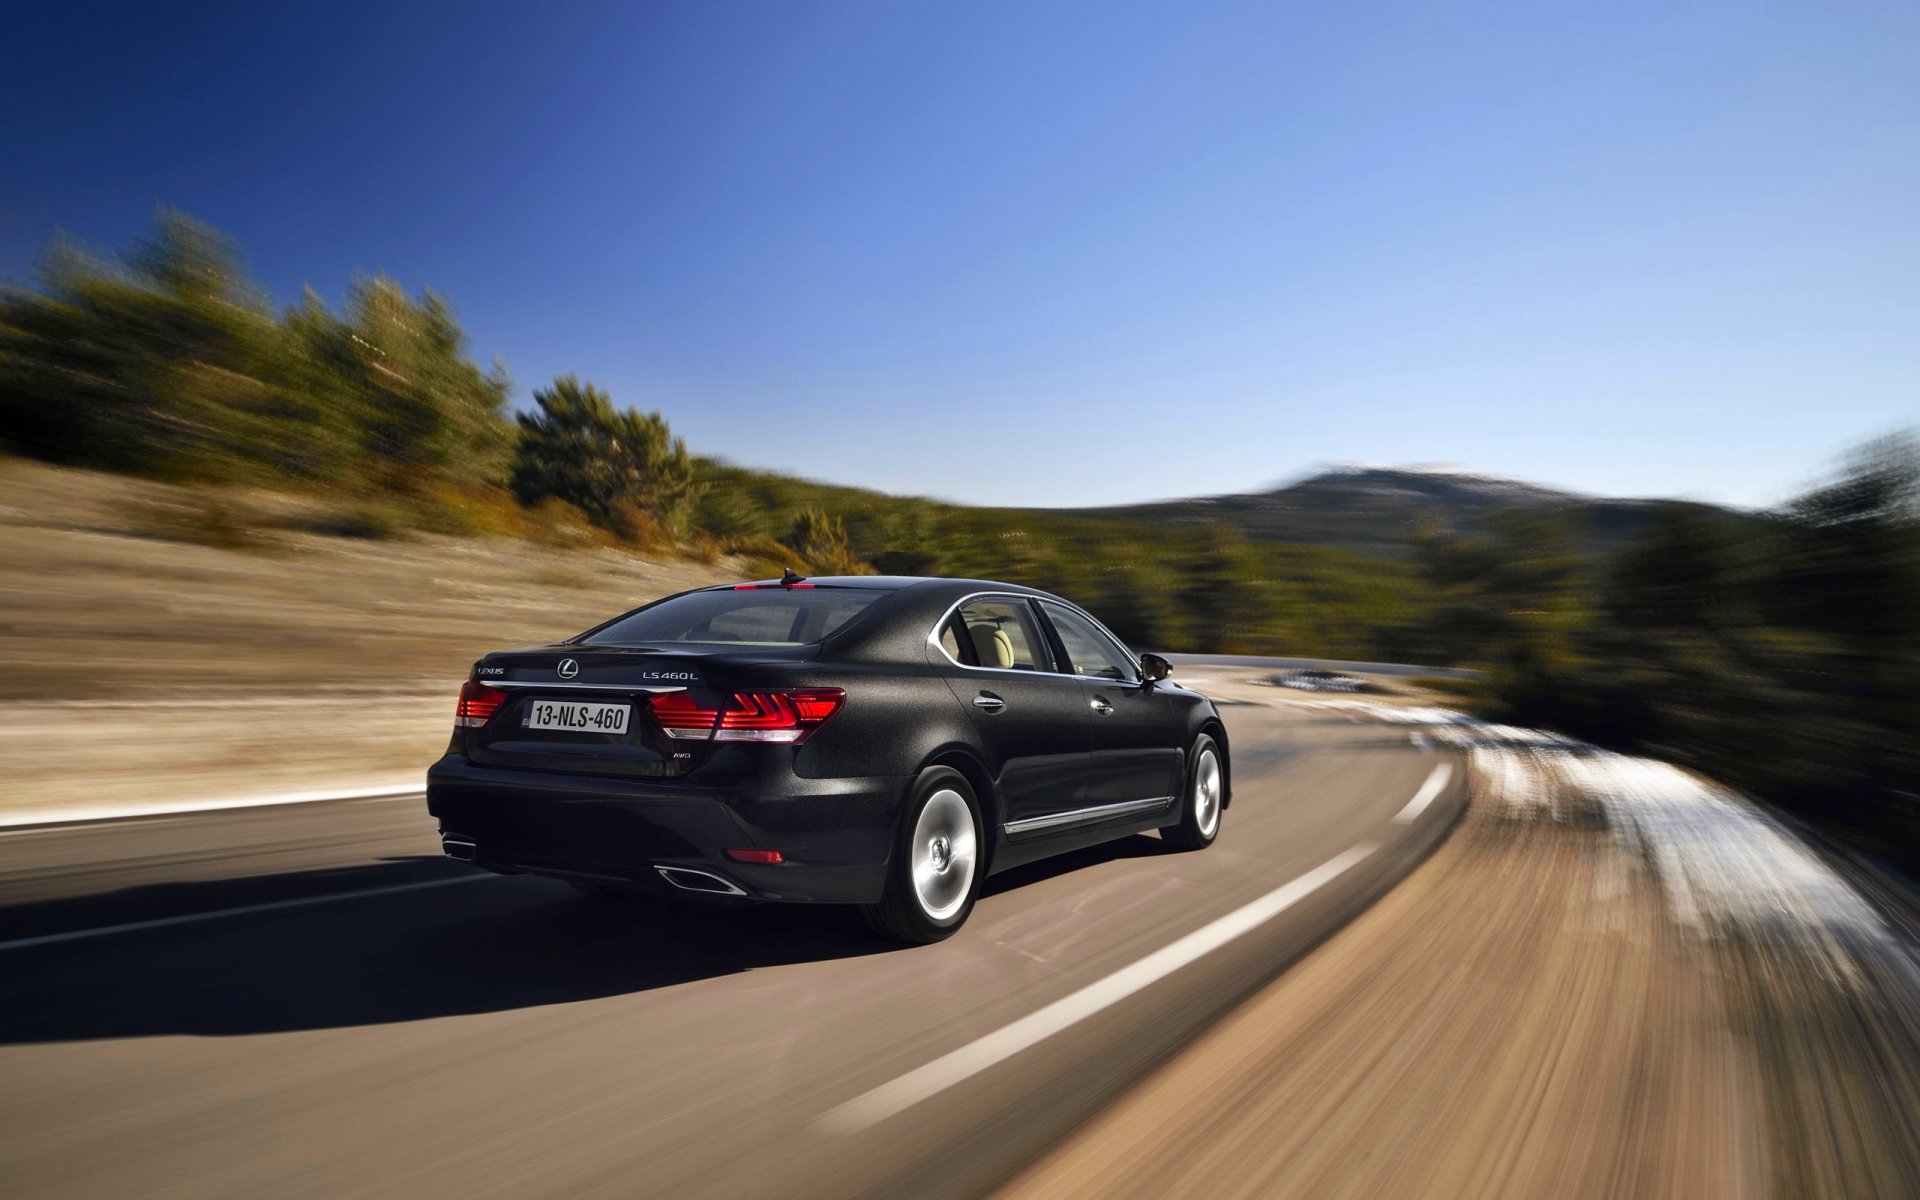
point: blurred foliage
(1191, 587)
(1777, 651)
(1780, 654)
(821, 539)
(624, 469)
(1514, 601)
(169, 362)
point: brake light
(478, 702)
(769, 587)
(786, 717)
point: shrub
(605, 462)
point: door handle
(989, 702)
(1100, 705)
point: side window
(950, 641)
(1001, 634)
(1089, 650)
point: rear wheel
(934, 875)
(1200, 808)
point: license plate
(575, 717)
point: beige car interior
(991, 645)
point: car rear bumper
(835, 835)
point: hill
(1378, 510)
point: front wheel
(1206, 795)
(934, 875)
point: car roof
(901, 634)
(894, 583)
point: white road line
(159, 922)
(872, 1107)
(1435, 784)
(1420, 740)
(32, 819)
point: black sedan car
(881, 742)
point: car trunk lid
(589, 709)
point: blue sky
(1054, 253)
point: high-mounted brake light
(789, 579)
(478, 702)
(786, 717)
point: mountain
(1378, 510)
(1371, 510)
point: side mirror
(1153, 668)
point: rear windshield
(755, 617)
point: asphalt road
(1614, 980)
(308, 1001)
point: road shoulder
(1538, 1010)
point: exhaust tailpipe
(459, 848)
(689, 880)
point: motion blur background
(1073, 256)
(390, 334)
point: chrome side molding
(1087, 816)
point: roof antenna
(789, 577)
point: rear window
(754, 617)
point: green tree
(169, 361)
(160, 362)
(603, 461)
(421, 405)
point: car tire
(1203, 804)
(938, 861)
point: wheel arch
(1214, 728)
(975, 773)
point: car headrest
(991, 645)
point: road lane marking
(870, 1108)
(1435, 784)
(35, 820)
(1420, 740)
(75, 935)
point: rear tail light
(478, 702)
(756, 856)
(786, 717)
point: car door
(1135, 751)
(1033, 722)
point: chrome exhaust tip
(689, 880)
(459, 848)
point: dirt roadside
(149, 663)
(144, 666)
(1570, 998)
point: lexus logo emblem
(567, 668)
